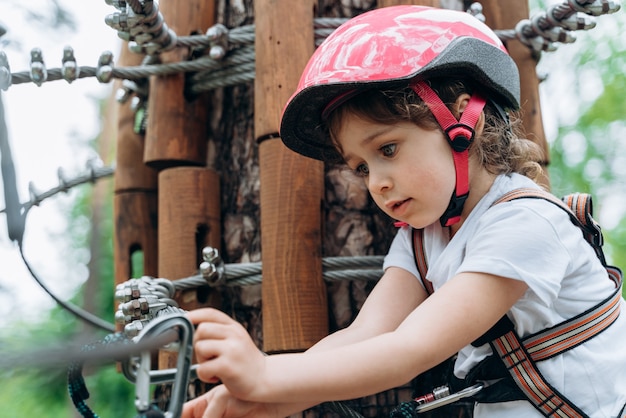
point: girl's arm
(395, 295)
(457, 314)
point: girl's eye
(388, 150)
(362, 170)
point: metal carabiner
(447, 399)
(432, 402)
(142, 375)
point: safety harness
(520, 355)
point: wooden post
(176, 138)
(176, 132)
(189, 220)
(295, 311)
(505, 14)
(135, 199)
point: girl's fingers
(211, 340)
(209, 315)
(217, 407)
(206, 350)
(212, 331)
(208, 367)
(224, 350)
(195, 408)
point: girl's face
(408, 170)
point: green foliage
(37, 392)
(113, 396)
(18, 401)
(42, 392)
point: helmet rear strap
(460, 134)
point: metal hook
(143, 375)
(536, 43)
(212, 268)
(104, 72)
(69, 68)
(218, 37)
(595, 8)
(118, 4)
(575, 21)
(63, 185)
(476, 10)
(92, 165)
(552, 34)
(34, 196)
(38, 71)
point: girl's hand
(219, 403)
(225, 352)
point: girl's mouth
(399, 207)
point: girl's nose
(378, 182)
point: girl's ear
(459, 106)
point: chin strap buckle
(452, 214)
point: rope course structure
(230, 57)
(147, 311)
(93, 174)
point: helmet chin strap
(460, 134)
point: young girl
(413, 100)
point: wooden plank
(176, 135)
(295, 311)
(189, 220)
(176, 131)
(135, 220)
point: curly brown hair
(501, 147)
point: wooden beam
(505, 14)
(189, 220)
(176, 131)
(295, 311)
(135, 194)
(176, 140)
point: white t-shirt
(534, 241)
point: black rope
(80, 313)
(405, 410)
(76, 383)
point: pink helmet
(390, 47)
